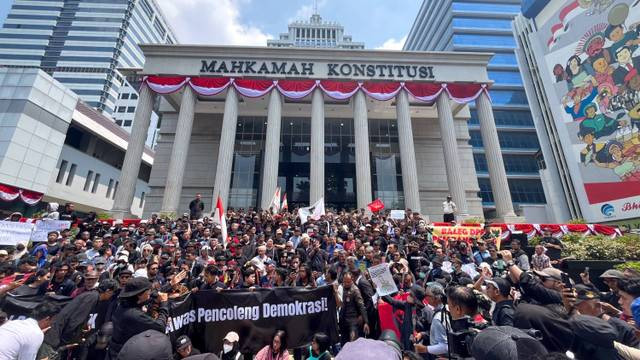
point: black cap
(182, 341)
(135, 286)
(586, 293)
(502, 284)
(505, 343)
(148, 345)
(593, 338)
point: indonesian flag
(220, 218)
(567, 14)
(284, 206)
(314, 211)
(376, 205)
(275, 202)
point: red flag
(284, 202)
(376, 205)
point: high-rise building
(485, 26)
(315, 33)
(83, 43)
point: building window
(61, 171)
(115, 190)
(119, 122)
(131, 109)
(134, 96)
(96, 181)
(109, 188)
(124, 96)
(141, 199)
(72, 174)
(122, 109)
(87, 181)
(127, 123)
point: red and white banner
(567, 14)
(558, 230)
(209, 86)
(30, 197)
(335, 89)
(8, 193)
(166, 84)
(221, 218)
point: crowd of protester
(511, 306)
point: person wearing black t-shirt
(553, 245)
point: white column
(493, 154)
(407, 153)
(225, 151)
(450, 149)
(363, 159)
(271, 149)
(133, 157)
(179, 152)
(316, 173)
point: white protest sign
(12, 233)
(43, 227)
(447, 267)
(381, 277)
(470, 269)
(397, 214)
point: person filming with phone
(542, 287)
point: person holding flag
(275, 202)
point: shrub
(535, 241)
(633, 265)
(577, 221)
(602, 247)
(473, 220)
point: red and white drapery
(558, 230)
(297, 89)
(10, 193)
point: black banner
(207, 316)
(21, 307)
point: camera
(463, 332)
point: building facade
(315, 33)
(485, 26)
(580, 62)
(58, 148)
(321, 124)
(82, 43)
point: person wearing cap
(231, 347)
(90, 282)
(586, 301)
(499, 291)
(481, 254)
(540, 260)
(612, 279)
(506, 343)
(543, 289)
(4, 255)
(449, 209)
(184, 348)
(129, 319)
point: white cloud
(211, 22)
(305, 11)
(393, 44)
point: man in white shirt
(21, 339)
(449, 209)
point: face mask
(226, 348)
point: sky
(377, 23)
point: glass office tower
(82, 43)
(485, 26)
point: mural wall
(592, 60)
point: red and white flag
(220, 217)
(275, 202)
(284, 206)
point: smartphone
(566, 281)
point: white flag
(275, 202)
(314, 211)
